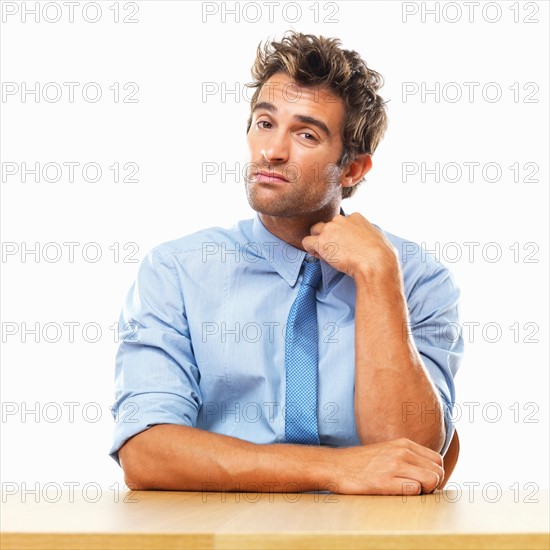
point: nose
(275, 150)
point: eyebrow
(301, 118)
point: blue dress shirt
(202, 336)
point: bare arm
(389, 373)
(390, 378)
(173, 457)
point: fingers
(407, 468)
(427, 478)
(398, 467)
(309, 244)
(421, 450)
(440, 484)
(430, 466)
(317, 228)
(419, 464)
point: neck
(294, 229)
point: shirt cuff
(137, 413)
(449, 425)
(445, 389)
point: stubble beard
(290, 202)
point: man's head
(320, 64)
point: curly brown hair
(318, 61)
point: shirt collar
(286, 259)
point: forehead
(291, 98)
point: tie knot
(312, 273)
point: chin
(273, 204)
(270, 206)
(273, 208)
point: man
(300, 350)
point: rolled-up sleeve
(435, 327)
(156, 376)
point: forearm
(389, 373)
(173, 457)
(394, 396)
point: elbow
(151, 462)
(432, 438)
(133, 464)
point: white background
(175, 50)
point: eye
(260, 124)
(308, 136)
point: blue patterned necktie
(301, 360)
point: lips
(264, 176)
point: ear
(355, 171)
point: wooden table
(448, 519)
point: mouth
(268, 177)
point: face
(294, 143)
